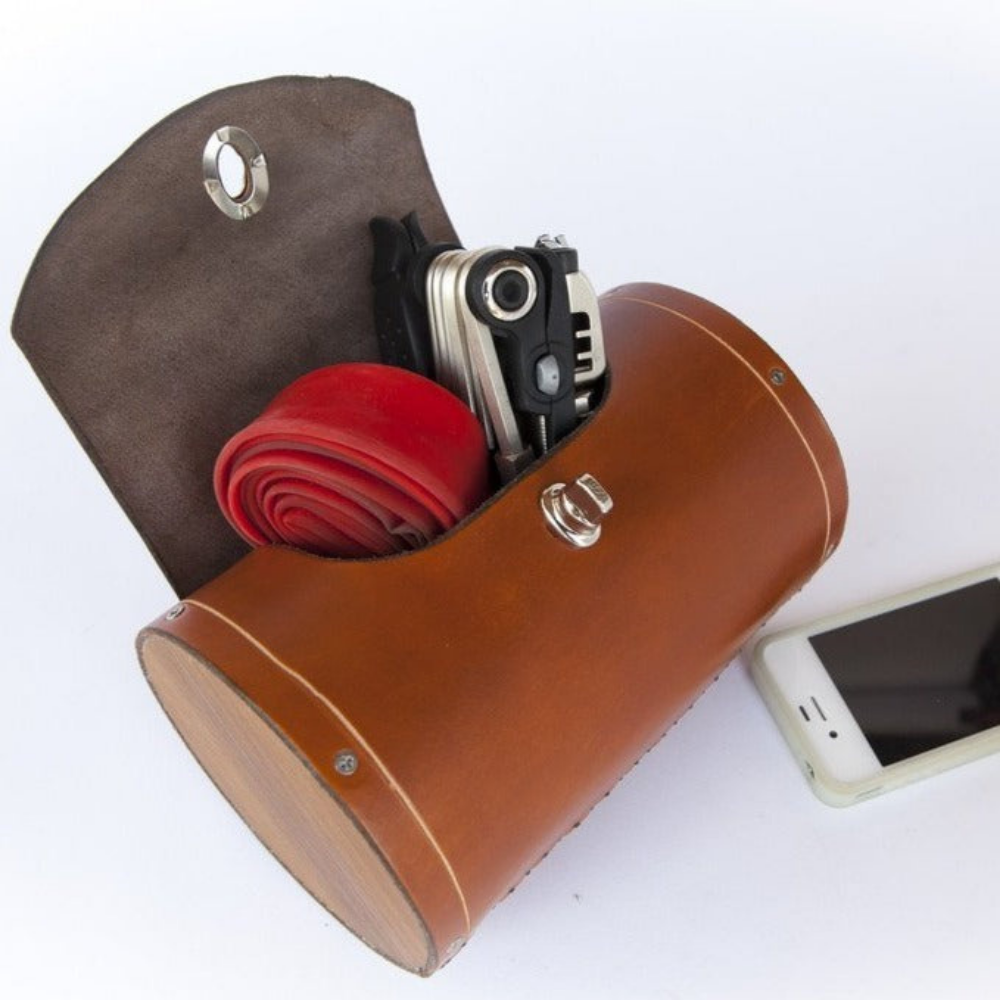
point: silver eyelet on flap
(251, 199)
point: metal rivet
(345, 762)
(175, 612)
(777, 376)
(574, 512)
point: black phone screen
(922, 675)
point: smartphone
(897, 690)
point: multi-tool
(515, 334)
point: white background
(829, 173)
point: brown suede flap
(160, 326)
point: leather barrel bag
(409, 734)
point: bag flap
(160, 326)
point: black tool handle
(400, 314)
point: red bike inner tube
(354, 460)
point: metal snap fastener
(251, 199)
(345, 762)
(574, 512)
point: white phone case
(851, 779)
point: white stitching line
(798, 430)
(342, 719)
